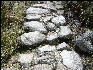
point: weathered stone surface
(51, 36)
(25, 59)
(33, 10)
(71, 60)
(33, 16)
(59, 6)
(85, 42)
(60, 66)
(46, 6)
(32, 38)
(62, 46)
(59, 20)
(51, 26)
(59, 60)
(64, 32)
(42, 67)
(47, 48)
(46, 57)
(46, 19)
(35, 26)
(60, 12)
(57, 2)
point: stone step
(36, 26)
(32, 38)
(32, 10)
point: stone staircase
(46, 23)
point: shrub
(83, 10)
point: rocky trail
(48, 36)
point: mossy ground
(12, 17)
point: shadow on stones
(81, 53)
(24, 48)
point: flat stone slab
(47, 48)
(33, 10)
(33, 16)
(32, 38)
(35, 26)
(46, 6)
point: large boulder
(85, 42)
(32, 38)
(35, 26)
(71, 60)
(59, 20)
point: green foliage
(12, 13)
(83, 10)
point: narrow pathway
(48, 32)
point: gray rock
(48, 5)
(64, 32)
(51, 26)
(25, 59)
(59, 20)
(33, 10)
(60, 12)
(33, 16)
(46, 19)
(57, 2)
(85, 41)
(42, 67)
(47, 48)
(52, 36)
(60, 66)
(62, 46)
(32, 38)
(71, 60)
(35, 26)
(46, 58)
(59, 6)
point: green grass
(12, 18)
